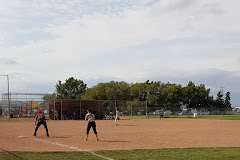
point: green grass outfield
(223, 117)
(156, 154)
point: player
(40, 119)
(117, 117)
(161, 115)
(90, 117)
(56, 115)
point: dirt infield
(131, 134)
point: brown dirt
(131, 134)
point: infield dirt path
(131, 134)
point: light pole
(8, 95)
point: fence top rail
(16, 93)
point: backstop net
(63, 109)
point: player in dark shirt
(40, 119)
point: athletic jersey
(90, 117)
(117, 114)
(40, 116)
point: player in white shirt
(91, 123)
(117, 117)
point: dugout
(65, 109)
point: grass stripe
(156, 154)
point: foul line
(10, 153)
(70, 147)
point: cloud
(137, 26)
(8, 61)
(119, 40)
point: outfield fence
(191, 111)
(106, 109)
(27, 105)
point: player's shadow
(113, 141)
(60, 137)
(44, 137)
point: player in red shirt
(40, 119)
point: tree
(47, 98)
(153, 90)
(139, 91)
(174, 95)
(71, 89)
(117, 91)
(227, 100)
(156, 94)
(100, 91)
(196, 96)
(108, 91)
(189, 93)
(203, 96)
(90, 94)
(219, 100)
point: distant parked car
(180, 113)
(139, 113)
(157, 112)
(167, 112)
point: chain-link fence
(21, 109)
(27, 105)
(18, 105)
(155, 111)
(62, 109)
(127, 108)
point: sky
(176, 41)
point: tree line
(156, 93)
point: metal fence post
(131, 108)
(99, 112)
(54, 110)
(80, 109)
(146, 110)
(9, 107)
(61, 109)
(31, 108)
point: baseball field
(171, 138)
